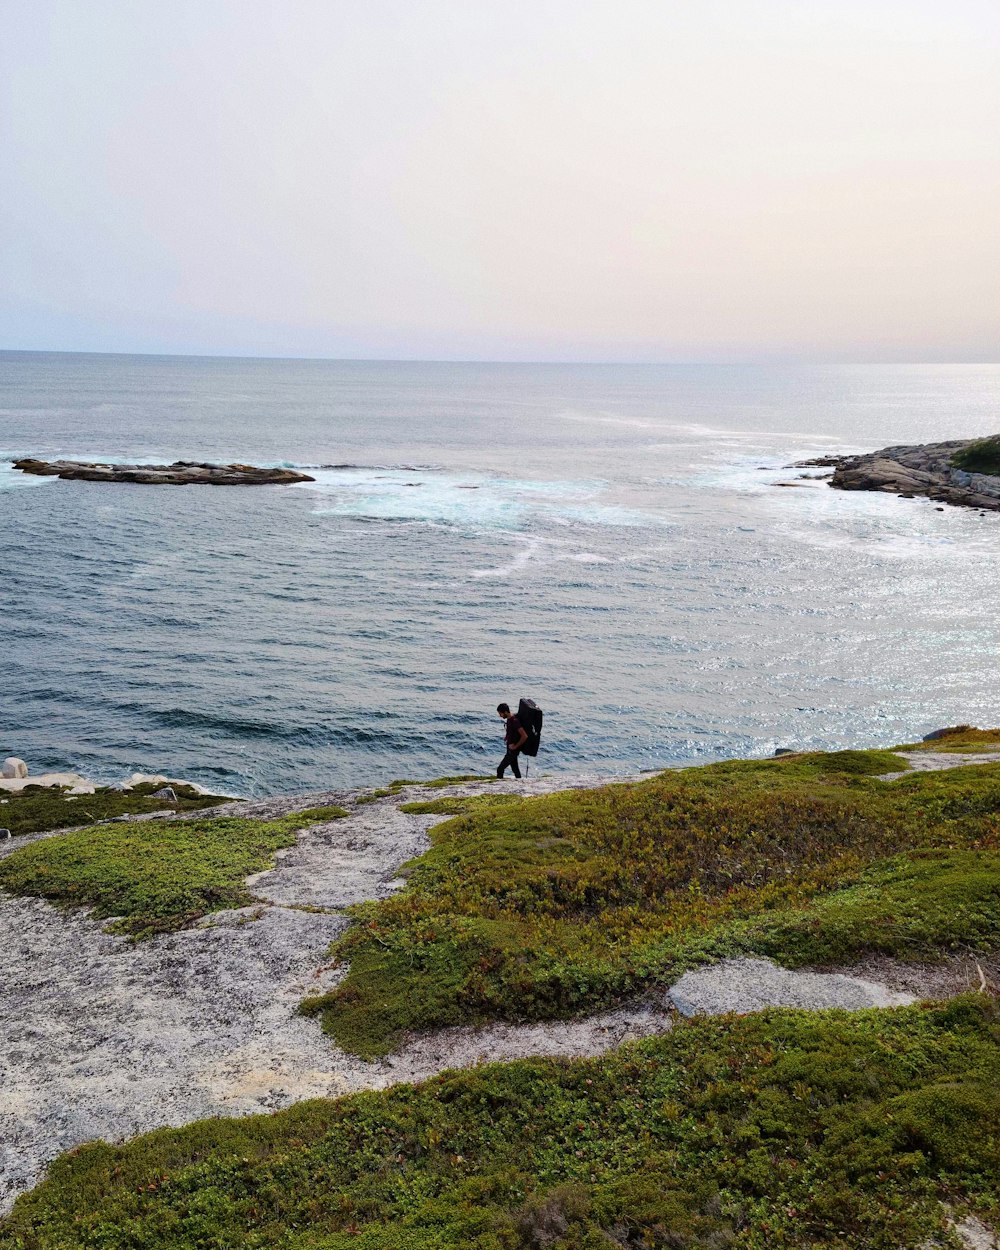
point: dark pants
(511, 759)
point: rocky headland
(180, 473)
(963, 472)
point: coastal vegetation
(549, 907)
(154, 876)
(981, 456)
(874, 1130)
(39, 809)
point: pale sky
(662, 180)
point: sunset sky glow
(523, 180)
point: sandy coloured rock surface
(76, 783)
(745, 985)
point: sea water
(609, 540)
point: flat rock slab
(180, 473)
(938, 761)
(104, 1038)
(80, 785)
(745, 985)
(501, 1043)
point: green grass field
(544, 908)
(782, 1131)
(153, 876)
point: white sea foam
(468, 500)
(14, 479)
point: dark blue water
(602, 538)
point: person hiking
(515, 736)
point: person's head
(504, 710)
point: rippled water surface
(609, 540)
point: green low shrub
(982, 456)
(153, 876)
(548, 907)
(784, 1130)
(39, 809)
(915, 906)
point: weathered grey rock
(13, 769)
(745, 985)
(784, 751)
(5, 834)
(180, 473)
(924, 469)
(167, 793)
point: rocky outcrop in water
(926, 469)
(180, 473)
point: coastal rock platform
(927, 469)
(180, 473)
(108, 1038)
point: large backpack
(530, 716)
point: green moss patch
(982, 456)
(458, 805)
(850, 763)
(548, 907)
(770, 1132)
(153, 876)
(39, 809)
(440, 782)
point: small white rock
(13, 768)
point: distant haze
(502, 179)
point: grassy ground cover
(458, 805)
(38, 809)
(153, 876)
(438, 783)
(959, 738)
(553, 906)
(982, 456)
(782, 1131)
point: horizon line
(470, 360)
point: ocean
(609, 540)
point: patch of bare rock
(746, 985)
(936, 761)
(180, 473)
